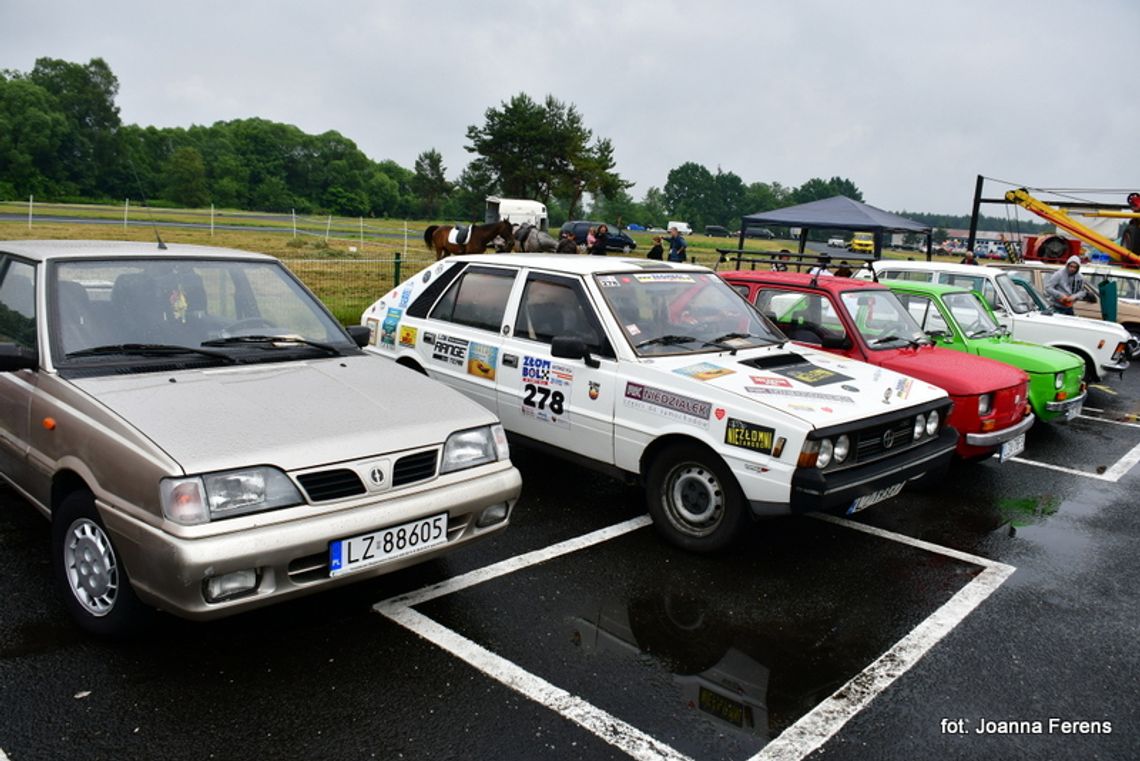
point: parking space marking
(3, 756)
(817, 726)
(1113, 474)
(803, 737)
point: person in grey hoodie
(1066, 286)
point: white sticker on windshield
(663, 277)
(633, 330)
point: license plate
(874, 497)
(1073, 411)
(1013, 447)
(359, 552)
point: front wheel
(694, 500)
(90, 574)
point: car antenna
(142, 195)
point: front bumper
(997, 438)
(1118, 366)
(291, 558)
(815, 490)
(1064, 406)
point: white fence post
(362, 233)
(211, 220)
(294, 222)
(126, 214)
(328, 227)
(31, 200)
(405, 237)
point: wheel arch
(1091, 370)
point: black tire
(90, 574)
(694, 499)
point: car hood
(291, 415)
(1072, 322)
(1032, 358)
(959, 373)
(816, 387)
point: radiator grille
(414, 467)
(331, 484)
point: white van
(682, 227)
(518, 210)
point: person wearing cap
(1066, 286)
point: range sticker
(810, 374)
(481, 360)
(667, 403)
(704, 371)
(451, 350)
(741, 433)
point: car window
(478, 298)
(555, 306)
(1018, 301)
(806, 317)
(970, 314)
(18, 303)
(925, 312)
(881, 319)
(920, 276)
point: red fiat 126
(863, 320)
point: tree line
(62, 139)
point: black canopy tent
(836, 213)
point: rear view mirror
(16, 357)
(360, 334)
(568, 347)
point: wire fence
(348, 286)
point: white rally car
(662, 371)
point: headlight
(1058, 381)
(842, 448)
(468, 449)
(919, 427)
(932, 423)
(985, 404)
(826, 450)
(212, 496)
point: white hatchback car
(206, 438)
(661, 371)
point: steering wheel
(247, 324)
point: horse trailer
(518, 211)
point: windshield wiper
(149, 350)
(910, 341)
(265, 339)
(666, 340)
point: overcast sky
(910, 100)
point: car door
(18, 325)
(462, 335)
(564, 403)
(929, 313)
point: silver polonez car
(206, 438)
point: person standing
(1066, 286)
(601, 238)
(781, 263)
(969, 257)
(591, 236)
(656, 252)
(678, 249)
(567, 244)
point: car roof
(803, 280)
(46, 250)
(578, 265)
(958, 269)
(940, 289)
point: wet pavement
(1004, 599)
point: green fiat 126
(959, 319)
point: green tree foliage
(538, 151)
(690, 194)
(32, 131)
(817, 189)
(186, 178)
(429, 183)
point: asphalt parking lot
(993, 617)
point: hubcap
(92, 571)
(694, 499)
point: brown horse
(479, 239)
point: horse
(479, 239)
(531, 239)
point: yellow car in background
(862, 243)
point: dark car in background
(717, 231)
(617, 240)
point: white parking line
(794, 743)
(1112, 475)
(818, 725)
(3, 755)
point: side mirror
(835, 342)
(359, 334)
(16, 357)
(568, 347)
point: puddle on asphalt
(714, 656)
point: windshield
(1018, 301)
(882, 320)
(107, 309)
(973, 318)
(683, 313)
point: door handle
(510, 360)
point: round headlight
(1058, 381)
(842, 447)
(932, 423)
(919, 426)
(825, 451)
